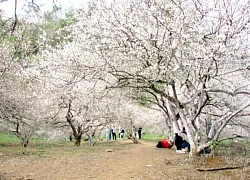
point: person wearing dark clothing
(178, 142)
(139, 132)
(185, 145)
(70, 138)
(181, 144)
(122, 133)
(114, 133)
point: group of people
(179, 141)
(111, 133)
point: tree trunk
(25, 142)
(78, 139)
(190, 136)
(90, 140)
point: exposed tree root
(130, 136)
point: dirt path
(125, 161)
(143, 161)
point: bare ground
(119, 159)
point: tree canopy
(189, 58)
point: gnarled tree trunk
(77, 133)
(78, 138)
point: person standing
(121, 133)
(114, 133)
(139, 132)
(107, 133)
(70, 138)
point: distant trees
(85, 117)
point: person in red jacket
(164, 143)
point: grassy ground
(9, 140)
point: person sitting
(185, 146)
(178, 142)
(164, 143)
(181, 144)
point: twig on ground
(220, 168)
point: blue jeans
(107, 136)
(185, 145)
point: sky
(8, 6)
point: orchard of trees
(84, 69)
